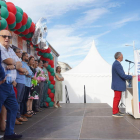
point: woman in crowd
(58, 87)
(34, 89)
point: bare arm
(57, 77)
(9, 61)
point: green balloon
(3, 23)
(22, 29)
(34, 46)
(18, 17)
(2, 3)
(40, 53)
(51, 86)
(11, 26)
(28, 35)
(4, 12)
(53, 74)
(28, 24)
(46, 55)
(19, 10)
(21, 35)
(53, 91)
(48, 67)
(51, 104)
(49, 82)
(51, 70)
(48, 100)
(30, 19)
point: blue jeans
(20, 92)
(8, 99)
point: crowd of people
(22, 93)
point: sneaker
(117, 115)
(121, 113)
(11, 137)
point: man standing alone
(118, 83)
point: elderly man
(7, 94)
(21, 72)
(118, 83)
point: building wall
(64, 67)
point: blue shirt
(2, 73)
(20, 78)
(28, 79)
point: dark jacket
(2, 73)
(119, 77)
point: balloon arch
(13, 18)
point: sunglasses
(4, 36)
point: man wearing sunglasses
(10, 62)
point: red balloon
(49, 91)
(24, 20)
(53, 100)
(7, 28)
(53, 82)
(11, 18)
(48, 50)
(51, 78)
(51, 95)
(18, 26)
(51, 63)
(49, 73)
(24, 38)
(52, 66)
(12, 8)
(24, 14)
(9, 3)
(47, 104)
(17, 32)
(32, 28)
(25, 32)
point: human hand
(10, 67)
(18, 65)
(1, 82)
(14, 83)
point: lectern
(132, 99)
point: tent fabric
(93, 72)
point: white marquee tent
(93, 72)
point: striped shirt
(5, 54)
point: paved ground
(80, 122)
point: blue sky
(74, 24)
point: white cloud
(125, 20)
(53, 8)
(91, 16)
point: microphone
(128, 61)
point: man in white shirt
(10, 63)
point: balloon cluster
(14, 19)
(47, 56)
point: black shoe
(36, 110)
(121, 113)
(117, 115)
(11, 137)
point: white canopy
(93, 72)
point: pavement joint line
(81, 124)
(37, 122)
(50, 138)
(131, 124)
